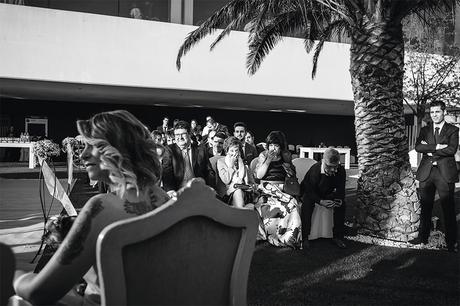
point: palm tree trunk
(388, 206)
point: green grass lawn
(362, 274)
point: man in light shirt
(438, 171)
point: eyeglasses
(181, 135)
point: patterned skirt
(279, 212)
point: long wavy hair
(127, 150)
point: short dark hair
(230, 142)
(156, 133)
(181, 124)
(438, 103)
(237, 124)
(170, 133)
(220, 135)
(277, 137)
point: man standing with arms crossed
(437, 171)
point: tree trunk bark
(388, 205)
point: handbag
(291, 186)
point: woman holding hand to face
(279, 211)
(120, 152)
(231, 170)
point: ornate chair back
(302, 165)
(193, 251)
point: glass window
(104, 7)
(202, 9)
(157, 10)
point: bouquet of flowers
(45, 149)
(56, 229)
(75, 146)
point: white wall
(63, 46)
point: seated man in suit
(438, 171)
(324, 184)
(248, 152)
(183, 161)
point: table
(29, 145)
(308, 152)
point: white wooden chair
(193, 251)
(252, 169)
(302, 165)
(221, 189)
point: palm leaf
(222, 17)
(261, 43)
(338, 26)
(420, 8)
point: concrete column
(175, 11)
(457, 26)
(188, 12)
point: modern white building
(68, 59)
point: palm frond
(222, 17)
(338, 26)
(434, 8)
(260, 20)
(263, 42)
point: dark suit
(173, 167)
(162, 129)
(249, 153)
(317, 186)
(441, 177)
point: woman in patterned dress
(280, 212)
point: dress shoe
(305, 244)
(452, 249)
(339, 243)
(418, 240)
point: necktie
(188, 172)
(436, 135)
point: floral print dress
(280, 222)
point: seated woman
(119, 151)
(232, 170)
(280, 212)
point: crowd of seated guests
(224, 162)
(145, 169)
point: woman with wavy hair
(120, 152)
(233, 172)
(279, 211)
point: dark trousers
(435, 181)
(307, 211)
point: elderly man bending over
(324, 184)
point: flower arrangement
(45, 149)
(74, 146)
(56, 229)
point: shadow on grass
(362, 274)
